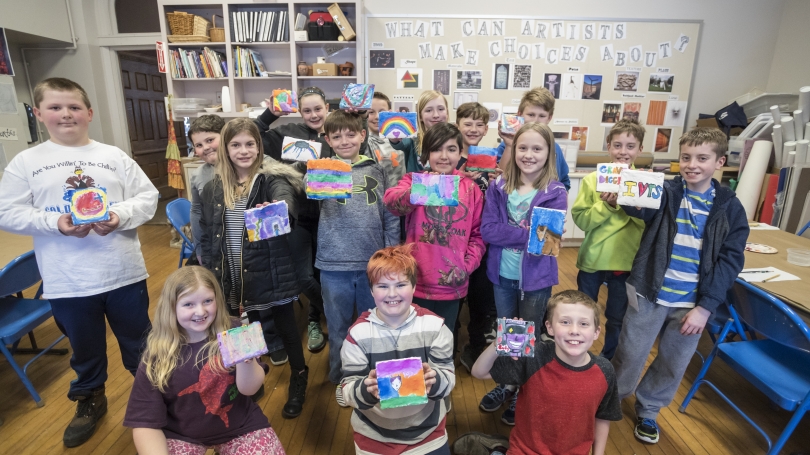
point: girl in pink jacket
(448, 243)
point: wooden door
(144, 91)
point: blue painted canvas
(545, 233)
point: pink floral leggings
(259, 442)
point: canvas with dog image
(545, 232)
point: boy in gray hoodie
(350, 231)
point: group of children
(389, 288)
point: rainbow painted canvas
(434, 190)
(89, 205)
(401, 382)
(241, 343)
(328, 179)
(300, 150)
(266, 222)
(398, 125)
(357, 96)
(285, 101)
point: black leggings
(284, 318)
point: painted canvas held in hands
(484, 159)
(608, 177)
(398, 125)
(434, 190)
(89, 205)
(241, 343)
(641, 189)
(299, 149)
(328, 179)
(266, 222)
(357, 96)
(515, 338)
(285, 101)
(510, 124)
(401, 382)
(545, 233)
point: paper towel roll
(801, 151)
(807, 130)
(778, 144)
(791, 159)
(753, 176)
(226, 99)
(798, 124)
(777, 116)
(804, 103)
(788, 129)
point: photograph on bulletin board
(5, 57)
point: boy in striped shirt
(690, 254)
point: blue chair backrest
(19, 274)
(179, 212)
(769, 316)
(804, 228)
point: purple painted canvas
(241, 343)
(434, 190)
(401, 382)
(515, 338)
(266, 222)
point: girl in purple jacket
(522, 281)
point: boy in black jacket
(690, 254)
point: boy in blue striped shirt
(690, 253)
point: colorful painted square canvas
(241, 343)
(357, 96)
(398, 125)
(641, 189)
(401, 382)
(89, 205)
(608, 177)
(510, 124)
(266, 222)
(484, 159)
(545, 232)
(300, 150)
(515, 338)
(328, 179)
(434, 190)
(285, 101)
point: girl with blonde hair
(431, 109)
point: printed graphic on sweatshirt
(518, 216)
(77, 180)
(439, 227)
(211, 387)
(368, 188)
(453, 276)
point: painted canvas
(266, 222)
(545, 232)
(608, 177)
(515, 338)
(89, 205)
(641, 189)
(401, 382)
(398, 125)
(434, 190)
(285, 101)
(241, 343)
(510, 124)
(357, 96)
(328, 179)
(484, 159)
(300, 150)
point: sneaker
(89, 410)
(469, 355)
(496, 397)
(480, 444)
(508, 416)
(296, 395)
(315, 338)
(646, 430)
(278, 357)
(339, 396)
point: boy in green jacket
(611, 236)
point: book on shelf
(300, 22)
(198, 64)
(260, 27)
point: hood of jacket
(273, 168)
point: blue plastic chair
(19, 315)
(778, 364)
(179, 213)
(804, 228)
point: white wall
(47, 18)
(790, 68)
(736, 44)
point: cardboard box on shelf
(324, 69)
(342, 23)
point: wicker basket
(217, 34)
(188, 38)
(182, 23)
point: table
(794, 293)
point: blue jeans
(343, 293)
(615, 307)
(511, 302)
(82, 320)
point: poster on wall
(5, 57)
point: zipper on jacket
(520, 274)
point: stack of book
(198, 64)
(247, 63)
(260, 27)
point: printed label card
(357, 96)
(515, 338)
(266, 222)
(545, 233)
(401, 382)
(434, 190)
(510, 124)
(300, 150)
(89, 205)
(608, 177)
(398, 125)
(484, 159)
(641, 189)
(241, 343)
(328, 179)
(285, 101)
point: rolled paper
(788, 129)
(791, 159)
(807, 130)
(778, 144)
(753, 175)
(328, 179)
(777, 116)
(801, 151)
(798, 125)
(804, 104)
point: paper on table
(758, 275)
(762, 227)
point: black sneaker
(278, 357)
(480, 444)
(469, 355)
(508, 416)
(496, 397)
(646, 430)
(89, 410)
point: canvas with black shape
(299, 150)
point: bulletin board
(599, 70)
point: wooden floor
(709, 427)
